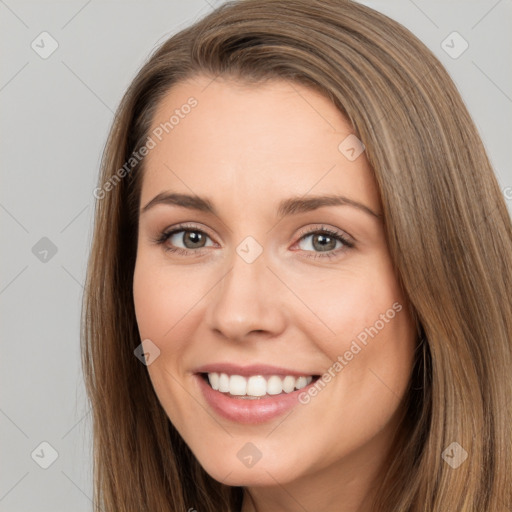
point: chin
(247, 477)
(233, 470)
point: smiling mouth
(256, 386)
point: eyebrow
(287, 207)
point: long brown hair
(449, 235)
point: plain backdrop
(56, 113)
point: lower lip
(249, 411)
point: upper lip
(252, 369)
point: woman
(298, 293)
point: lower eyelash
(163, 237)
(179, 250)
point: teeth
(237, 385)
(274, 385)
(256, 385)
(214, 380)
(301, 383)
(288, 384)
(223, 383)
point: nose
(248, 302)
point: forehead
(261, 141)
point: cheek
(162, 298)
(164, 308)
(370, 355)
(344, 303)
(367, 325)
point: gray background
(56, 113)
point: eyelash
(165, 235)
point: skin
(246, 148)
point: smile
(256, 386)
(251, 394)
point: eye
(190, 237)
(325, 242)
(322, 242)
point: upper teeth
(256, 385)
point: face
(281, 340)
